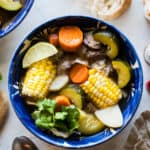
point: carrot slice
(79, 73)
(70, 38)
(53, 39)
(62, 101)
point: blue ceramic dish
(18, 18)
(128, 106)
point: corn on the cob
(102, 91)
(38, 79)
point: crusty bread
(147, 9)
(109, 9)
(3, 108)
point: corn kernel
(38, 79)
(102, 90)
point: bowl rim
(18, 19)
(140, 85)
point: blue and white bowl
(17, 19)
(128, 106)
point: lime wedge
(38, 52)
(10, 5)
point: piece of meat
(69, 60)
(95, 55)
(90, 42)
(104, 64)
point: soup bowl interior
(128, 106)
(14, 18)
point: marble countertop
(132, 24)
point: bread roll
(147, 9)
(147, 54)
(108, 9)
(3, 108)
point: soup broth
(71, 75)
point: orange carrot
(79, 73)
(53, 39)
(62, 101)
(70, 38)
